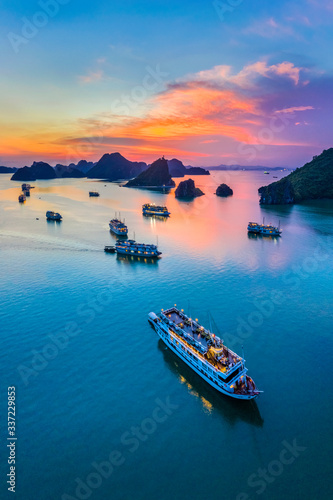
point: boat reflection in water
(132, 259)
(232, 410)
(258, 236)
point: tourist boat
(265, 230)
(109, 249)
(150, 209)
(267, 173)
(118, 227)
(21, 198)
(53, 215)
(93, 193)
(205, 353)
(132, 248)
(270, 231)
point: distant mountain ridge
(312, 181)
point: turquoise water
(94, 384)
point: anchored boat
(53, 215)
(205, 353)
(131, 247)
(93, 194)
(151, 209)
(21, 198)
(265, 230)
(118, 227)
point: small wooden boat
(109, 249)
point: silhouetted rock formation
(115, 167)
(187, 190)
(68, 172)
(224, 191)
(7, 170)
(177, 169)
(312, 181)
(38, 170)
(156, 176)
(196, 171)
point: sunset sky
(206, 82)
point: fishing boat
(93, 193)
(204, 352)
(118, 227)
(109, 249)
(21, 198)
(150, 209)
(53, 215)
(132, 248)
(26, 187)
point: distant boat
(132, 248)
(274, 176)
(118, 227)
(151, 209)
(53, 215)
(21, 198)
(267, 173)
(26, 187)
(93, 193)
(26, 192)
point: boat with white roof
(205, 353)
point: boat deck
(226, 363)
(190, 329)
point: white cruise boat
(204, 353)
(118, 227)
(132, 248)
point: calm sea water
(90, 374)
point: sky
(245, 82)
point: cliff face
(224, 191)
(313, 181)
(187, 190)
(157, 175)
(38, 170)
(115, 167)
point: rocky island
(224, 190)
(157, 176)
(7, 170)
(187, 190)
(38, 170)
(115, 167)
(177, 169)
(312, 181)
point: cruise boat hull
(219, 385)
